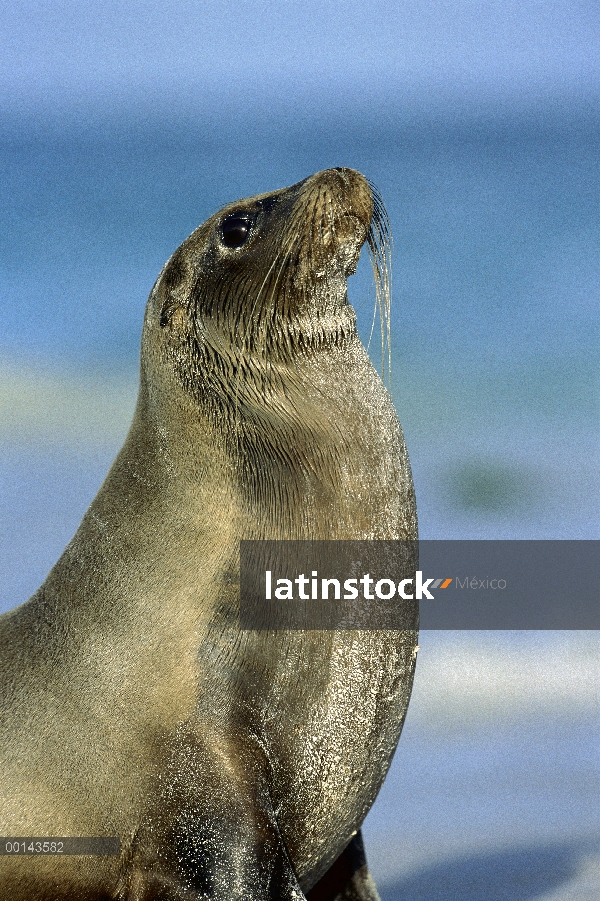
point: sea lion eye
(235, 229)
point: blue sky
(63, 56)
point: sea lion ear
(172, 313)
(171, 288)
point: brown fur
(231, 764)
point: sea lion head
(263, 281)
(251, 359)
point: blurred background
(124, 126)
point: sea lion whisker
(255, 338)
(286, 257)
(379, 242)
(314, 235)
(266, 278)
(260, 290)
(293, 242)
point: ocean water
(492, 794)
(496, 228)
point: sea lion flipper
(169, 874)
(211, 832)
(348, 879)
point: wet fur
(232, 764)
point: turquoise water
(495, 229)
(496, 232)
(494, 338)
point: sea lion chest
(327, 706)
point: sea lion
(231, 764)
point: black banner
(454, 585)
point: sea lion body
(230, 763)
